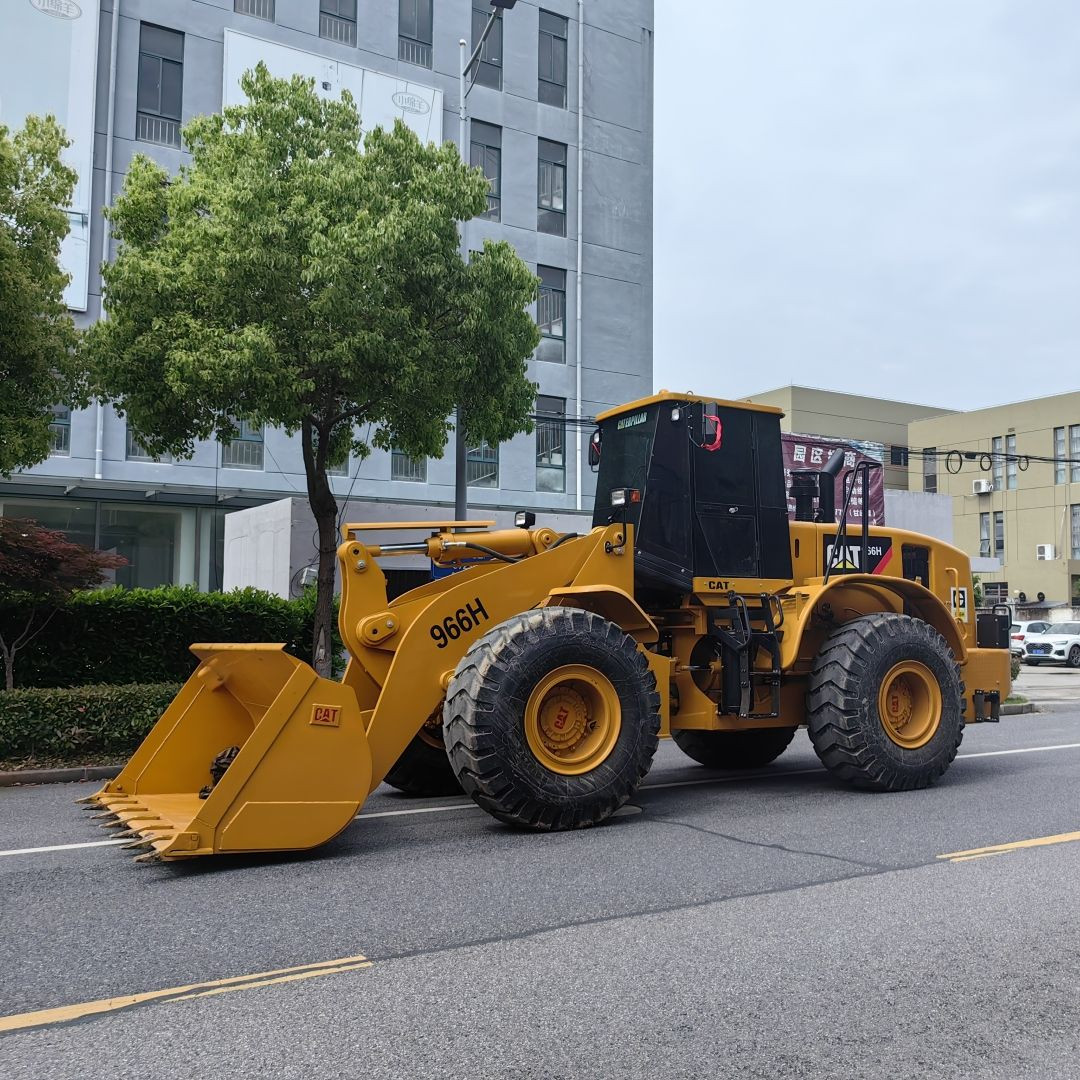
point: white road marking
(777, 775)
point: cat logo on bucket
(326, 715)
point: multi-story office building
(1013, 472)
(561, 123)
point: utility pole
(461, 485)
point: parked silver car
(1058, 644)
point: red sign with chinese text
(813, 451)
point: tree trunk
(324, 507)
(9, 670)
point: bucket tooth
(104, 814)
(87, 800)
(150, 856)
(146, 842)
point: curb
(1017, 709)
(58, 776)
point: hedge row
(85, 721)
(120, 636)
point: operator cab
(704, 483)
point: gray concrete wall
(616, 360)
(919, 512)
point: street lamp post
(461, 486)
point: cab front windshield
(625, 449)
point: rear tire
(423, 770)
(552, 719)
(884, 704)
(733, 749)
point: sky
(875, 196)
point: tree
(287, 277)
(37, 335)
(39, 569)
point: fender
(614, 604)
(877, 593)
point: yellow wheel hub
(909, 704)
(572, 719)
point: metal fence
(242, 454)
(414, 52)
(336, 29)
(158, 129)
(261, 9)
(403, 467)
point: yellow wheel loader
(540, 676)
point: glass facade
(550, 443)
(488, 68)
(551, 315)
(997, 453)
(1059, 455)
(161, 85)
(552, 59)
(164, 545)
(551, 188)
(485, 152)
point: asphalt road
(774, 925)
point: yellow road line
(66, 1013)
(1016, 845)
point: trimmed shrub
(121, 636)
(88, 720)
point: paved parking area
(772, 925)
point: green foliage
(46, 725)
(41, 568)
(37, 335)
(117, 636)
(1014, 667)
(289, 278)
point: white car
(1018, 631)
(1059, 644)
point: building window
(1074, 452)
(260, 9)
(337, 21)
(137, 452)
(403, 467)
(246, 450)
(997, 458)
(550, 443)
(551, 188)
(1010, 461)
(414, 32)
(1074, 530)
(999, 534)
(161, 85)
(486, 153)
(1059, 455)
(60, 432)
(898, 455)
(482, 465)
(984, 536)
(552, 60)
(929, 469)
(488, 69)
(551, 315)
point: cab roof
(687, 398)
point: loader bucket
(299, 774)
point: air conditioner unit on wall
(982, 487)
(1044, 551)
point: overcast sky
(878, 196)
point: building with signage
(1013, 472)
(561, 122)
(880, 424)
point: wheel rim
(1074, 656)
(572, 719)
(431, 732)
(909, 704)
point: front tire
(733, 749)
(884, 705)
(552, 719)
(1074, 657)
